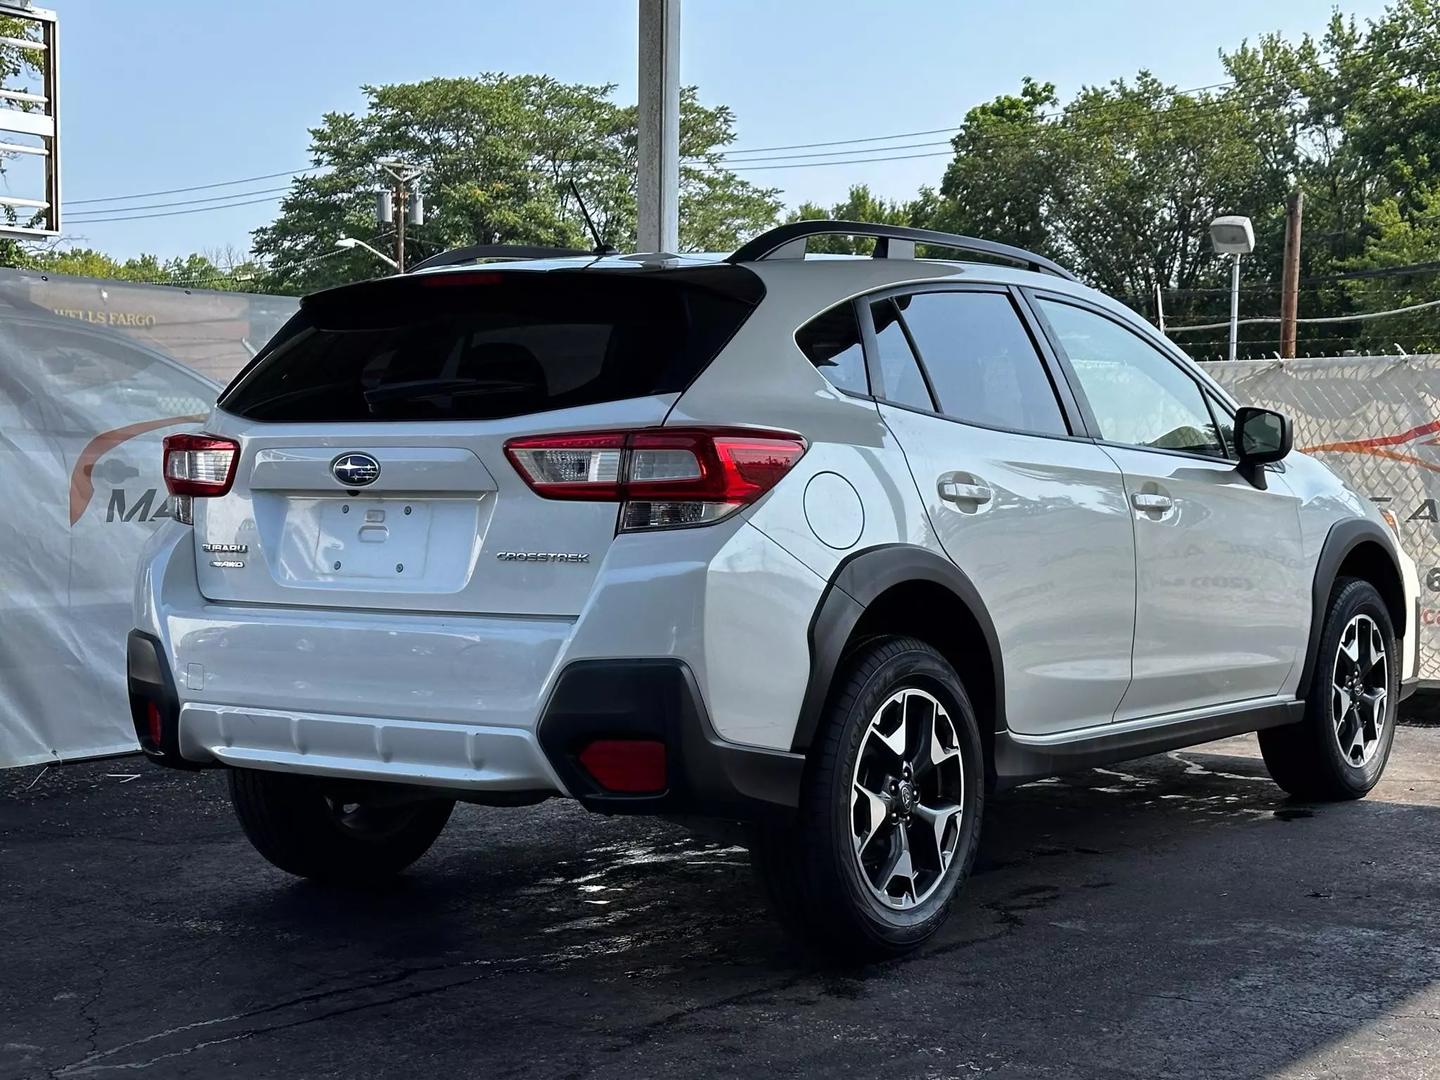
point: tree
(1399, 239)
(195, 271)
(1119, 184)
(499, 153)
(998, 184)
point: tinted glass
(899, 371)
(1139, 395)
(487, 344)
(981, 361)
(833, 344)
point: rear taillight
(664, 477)
(198, 467)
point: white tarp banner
(1375, 420)
(93, 375)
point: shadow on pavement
(1176, 916)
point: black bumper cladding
(658, 699)
(154, 705)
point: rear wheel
(890, 813)
(351, 834)
(1340, 749)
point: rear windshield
(479, 345)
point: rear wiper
(428, 388)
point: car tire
(1339, 750)
(827, 875)
(304, 827)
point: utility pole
(658, 127)
(1290, 276)
(404, 204)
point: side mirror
(1261, 436)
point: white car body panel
(440, 674)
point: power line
(1356, 317)
(197, 187)
(842, 142)
(837, 153)
(852, 161)
(84, 214)
(177, 213)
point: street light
(351, 242)
(1233, 235)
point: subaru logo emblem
(355, 470)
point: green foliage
(499, 153)
(1121, 182)
(192, 272)
(1399, 238)
(860, 205)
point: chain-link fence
(1375, 420)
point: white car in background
(832, 546)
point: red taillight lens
(626, 766)
(664, 476)
(200, 465)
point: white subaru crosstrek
(830, 546)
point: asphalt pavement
(1173, 917)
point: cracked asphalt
(1173, 917)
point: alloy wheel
(1360, 686)
(907, 795)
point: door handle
(957, 491)
(1151, 502)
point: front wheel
(345, 835)
(890, 811)
(1340, 749)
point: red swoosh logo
(1362, 446)
(1377, 447)
(82, 487)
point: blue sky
(161, 94)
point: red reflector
(154, 723)
(628, 766)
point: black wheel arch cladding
(858, 582)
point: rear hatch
(372, 472)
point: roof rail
(476, 252)
(891, 242)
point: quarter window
(1139, 396)
(833, 344)
(981, 361)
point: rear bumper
(596, 699)
(658, 699)
(487, 705)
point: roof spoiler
(476, 252)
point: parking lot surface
(1176, 916)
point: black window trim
(1059, 381)
(1161, 346)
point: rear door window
(981, 361)
(491, 344)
